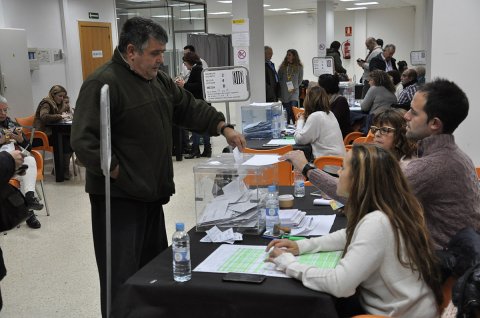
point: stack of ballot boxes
(230, 192)
(257, 119)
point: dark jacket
(7, 169)
(340, 109)
(141, 116)
(194, 83)
(336, 60)
(272, 87)
(377, 63)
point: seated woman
(389, 129)
(388, 256)
(194, 86)
(12, 138)
(381, 94)
(338, 103)
(318, 126)
(51, 110)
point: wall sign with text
(323, 65)
(225, 84)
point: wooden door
(95, 45)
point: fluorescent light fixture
(266, 5)
(226, 1)
(347, 0)
(296, 12)
(365, 3)
(178, 4)
(357, 8)
(140, 0)
(280, 9)
(191, 10)
(192, 18)
(162, 16)
(222, 12)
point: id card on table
(290, 86)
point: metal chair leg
(44, 198)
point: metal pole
(105, 159)
(227, 110)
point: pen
(293, 238)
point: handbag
(13, 209)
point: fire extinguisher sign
(348, 31)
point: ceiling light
(178, 4)
(357, 8)
(365, 3)
(192, 18)
(223, 12)
(226, 1)
(266, 5)
(296, 12)
(191, 10)
(280, 9)
(162, 16)
(347, 0)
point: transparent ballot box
(347, 90)
(231, 194)
(257, 119)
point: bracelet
(226, 126)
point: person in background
(52, 110)
(420, 75)
(12, 138)
(373, 50)
(272, 86)
(379, 43)
(145, 102)
(194, 86)
(9, 163)
(381, 93)
(396, 80)
(388, 255)
(338, 104)
(290, 76)
(410, 87)
(318, 126)
(402, 66)
(185, 70)
(442, 177)
(389, 130)
(334, 52)
(384, 61)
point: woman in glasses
(389, 130)
(388, 256)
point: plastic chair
(351, 137)
(39, 160)
(284, 168)
(297, 111)
(478, 172)
(323, 161)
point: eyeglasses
(383, 130)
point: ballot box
(347, 90)
(230, 192)
(257, 119)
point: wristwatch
(226, 125)
(306, 168)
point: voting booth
(230, 192)
(257, 119)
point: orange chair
(297, 111)
(478, 172)
(284, 168)
(323, 161)
(351, 137)
(39, 160)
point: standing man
(144, 105)
(185, 70)
(373, 50)
(385, 60)
(272, 87)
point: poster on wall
(418, 58)
(323, 65)
(225, 84)
(240, 56)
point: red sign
(348, 31)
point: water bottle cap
(179, 226)
(272, 188)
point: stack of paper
(291, 218)
(217, 236)
(314, 225)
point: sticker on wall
(97, 54)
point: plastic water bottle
(284, 119)
(182, 270)
(271, 210)
(299, 185)
(276, 126)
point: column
(325, 26)
(359, 37)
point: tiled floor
(51, 272)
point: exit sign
(93, 15)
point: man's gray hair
(138, 31)
(389, 47)
(3, 100)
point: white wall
(300, 33)
(455, 48)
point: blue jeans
(196, 140)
